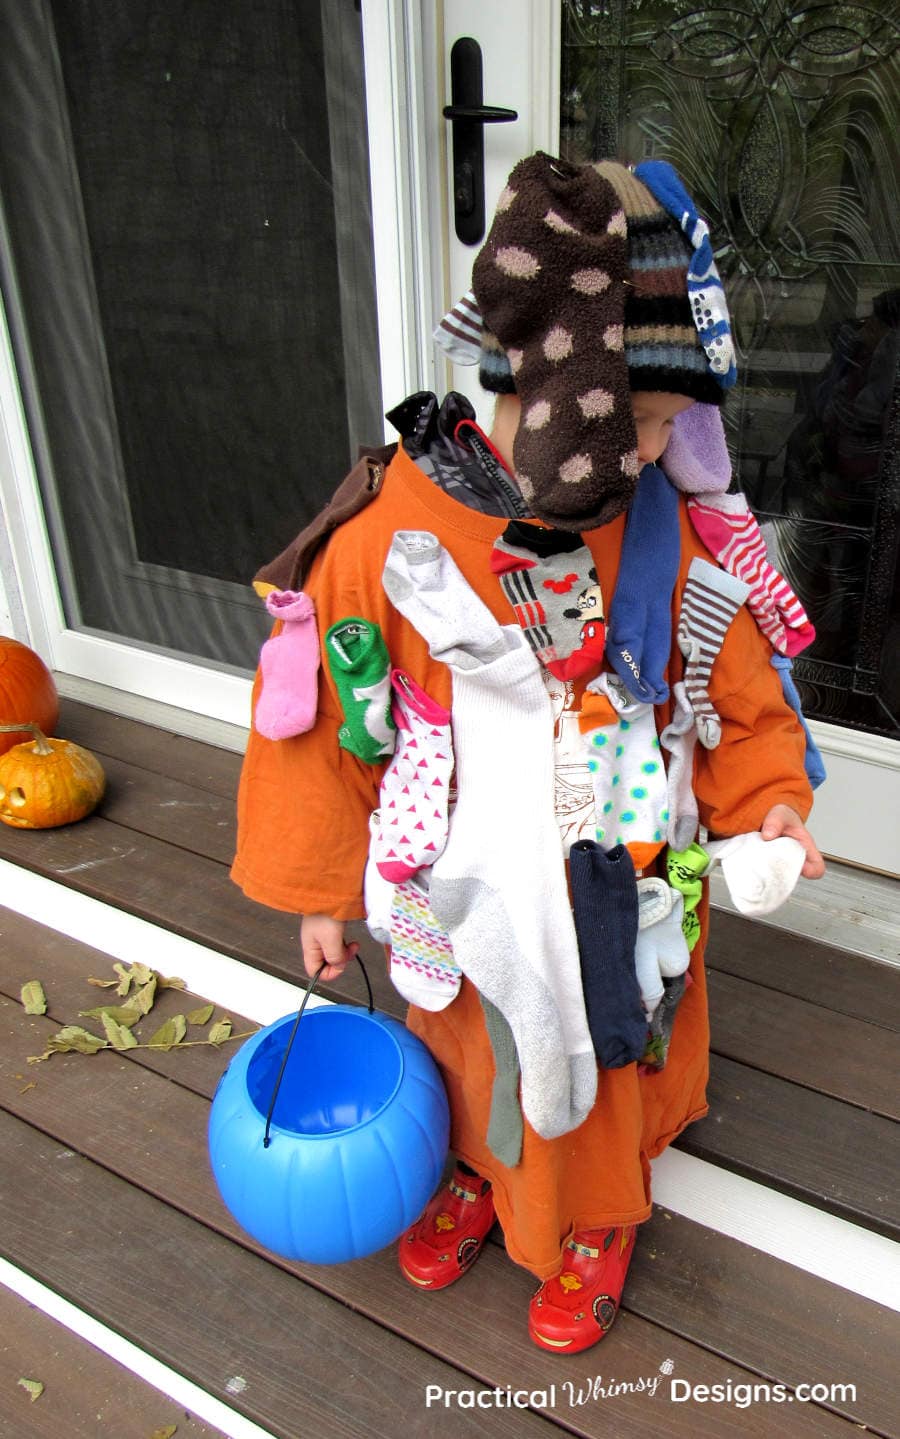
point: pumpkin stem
(41, 743)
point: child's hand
(322, 938)
(781, 819)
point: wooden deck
(107, 1197)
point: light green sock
(684, 869)
(361, 669)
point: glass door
(189, 281)
(783, 121)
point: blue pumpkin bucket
(328, 1150)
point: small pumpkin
(27, 692)
(48, 782)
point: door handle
(468, 114)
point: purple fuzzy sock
(696, 457)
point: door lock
(468, 114)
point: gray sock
(505, 1127)
(661, 1024)
(680, 738)
(426, 585)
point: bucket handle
(267, 1138)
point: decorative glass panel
(191, 283)
(783, 122)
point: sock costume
(359, 664)
(710, 602)
(640, 620)
(504, 904)
(548, 576)
(289, 663)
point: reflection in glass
(783, 121)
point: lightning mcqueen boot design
(574, 1310)
(450, 1235)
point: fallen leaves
(34, 998)
(140, 985)
(33, 1387)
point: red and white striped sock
(729, 530)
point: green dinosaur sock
(360, 667)
(685, 868)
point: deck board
(811, 1146)
(86, 1393)
(212, 1311)
(479, 1326)
(799, 1095)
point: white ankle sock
(760, 873)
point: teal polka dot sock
(627, 774)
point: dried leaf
(166, 981)
(170, 1033)
(124, 984)
(143, 998)
(220, 1031)
(33, 997)
(165, 1432)
(73, 1037)
(102, 983)
(34, 1387)
(201, 1016)
(122, 1013)
(119, 1036)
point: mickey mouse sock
(604, 900)
(711, 599)
(640, 616)
(548, 576)
(289, 666)
(414, 787)
(359, 664)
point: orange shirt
(303, 811)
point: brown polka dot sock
(550, 285)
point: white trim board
(795, 1233)
(182, 1391)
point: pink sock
(729, 530)
(289, 662)
(415, 785)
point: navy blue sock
(813, 762)
(640, 616)
(604, 900)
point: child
(550, 570)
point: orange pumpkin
(27, 692)
(48, 782)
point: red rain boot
(573, 1310)
(450, 1235)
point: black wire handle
(267, 1139)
